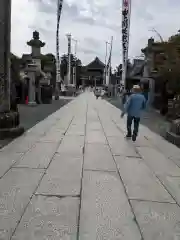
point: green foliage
(175, 38)
(74, 62)
(170, 67)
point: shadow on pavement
(30, 116)
(150, 118)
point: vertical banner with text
(126, 14)
(59, 10)
(69, 58)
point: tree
(64, 66)
(75, 62)
(175, 38)
(118, 70)
(50, 61)
(170, 67)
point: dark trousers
(136, 121)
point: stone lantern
(36, 44)
(35, 67)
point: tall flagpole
(105, 69)
(58, 75)
(126, 14)
(110, 57)
(109, 64)
(74, 68)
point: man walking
(133, 107)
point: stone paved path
(74, 176)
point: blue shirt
(135, 104)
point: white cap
(136, 87)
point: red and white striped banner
(126, 14)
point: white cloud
(22, 18)
(92, 19)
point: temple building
(93, 73)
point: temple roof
(95, 64)
(138, 68)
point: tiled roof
(137, 69)
(96, 63)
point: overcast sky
(92, 23)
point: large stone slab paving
(49, 218)
(80, 120)
(7, 160)
(167, 148)
(120, 146)
(98, 157)
(39, 156)
(21, 144)
(140, 182)
(142, 142)
(172, 184)
(158, 162)
(75, 129)
(62, 124)
(40, 128)
(176, 160)
(120, 123)
(95, 125)
(110, 128)
(16, 188)
(105, 212)
(112, 132)
(63, 177)
(52, 136)
(72, 145)
(95, 137)
(157, 221)
(92, 118)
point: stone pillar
(151, 90)
(32, 91)
(74, 75)
(5, 38)
(9, 120)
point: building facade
(93, 73)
